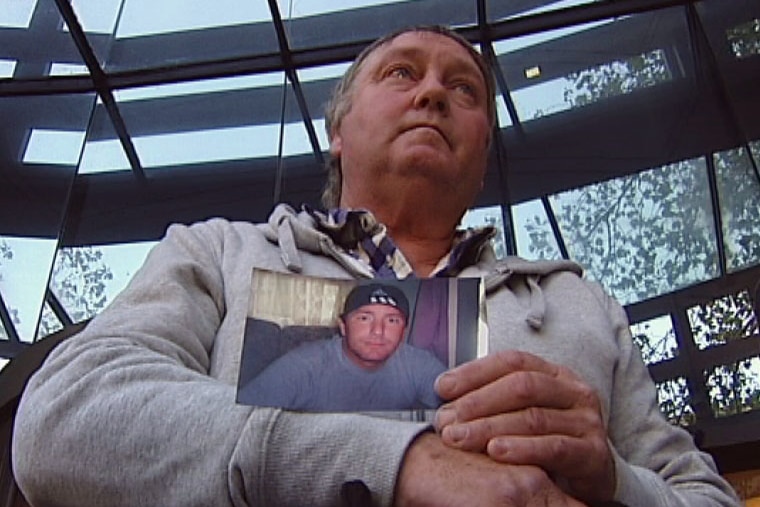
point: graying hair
(340, 102)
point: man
(139, 409)
(367, 366)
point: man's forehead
(418, 44)
(378, 308)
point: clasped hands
(516, 431)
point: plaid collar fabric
(360, 234)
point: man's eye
(400, 73)
(466, 88)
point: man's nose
(377, 328)
(432, 94)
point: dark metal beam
(102, 86)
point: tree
(649, 233)
(6, 254)
(739, 192)
(79, 281)
(745, 39)
(732, 388)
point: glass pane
(54, 147)
(86, 279)
(315, 24)
(739, 191)
(744, 39)
(24, 273)
(502, 113)
(656, 339)
(734, 388)
(722, 320)
(200, 121)
(535, 238)
(215, 120)
(97, 16)
(49, 323)
(642, 235)
(17, 14)
(40, 39)
(3, 362)
(145, 17)
(39, 152)
(317, 84)
(509, 10)
(675, 402)
(6, 68)
(150, 34)
(491, 215)
(558, 70)
(754, 148)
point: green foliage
(734, 388)
(723, 320)
(739, 192)
(653, 232)
(655, 339)
(675, 402)
(745, 39)
(641, 235)
(498, 242)
(79, 281)
(6, 253)
(616, 78)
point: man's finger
(479, 372)
(518, 391)
(534, 421)
(585, 463)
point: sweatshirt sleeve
(657, 463)
(126, 414)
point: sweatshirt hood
(533, 272)
(294, 231)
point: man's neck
(423, 254)
(423, 231)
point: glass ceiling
(628, 139)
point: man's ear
(336, 144)
(341, 326)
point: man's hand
(523, 410)
(436, 475)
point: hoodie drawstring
(537, 310)
(287, 243)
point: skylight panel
(7, 68)
(334, 71)
(200, 87)
(97, 16)
(23, 280)
(148, 17)
(202, 146)
(55, 147)
(515, 44)
(618, 77)
(313, 8)
(68, 69)
(16, 13)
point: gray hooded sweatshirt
(139, 409)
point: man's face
(372, 333)
(418, 121)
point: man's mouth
(429, 127)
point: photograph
(325, 345)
